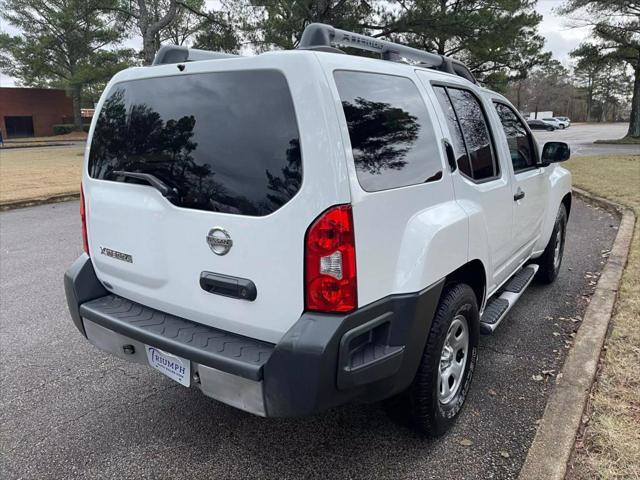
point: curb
(45, 145)
(32, 202)
(551, 449)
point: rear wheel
(551, 259)
(439, 389)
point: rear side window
(518, 138)
(226, 141)
(469, 122)
(457, 140)
(392, 137)
(476, 133)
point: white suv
(300, 229)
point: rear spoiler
(180, 54)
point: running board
(498, 307)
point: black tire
(549, 266)
(420, 404)
(562, 127)
(550, 129)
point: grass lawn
(622, 141)
(610, 446)
(10, 143)
(30, 173)
(73, 136)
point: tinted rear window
(474, 127)
(392, 137)
(227, 141)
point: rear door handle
(450, 155)
(228, 286)
(519, 195)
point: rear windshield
(226, 141)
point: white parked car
(296, 230)
(564, 120)
(555, 122)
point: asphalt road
(70, 411)
(580, 137)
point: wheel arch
(559, 194)
(473, 274)
(566, 201)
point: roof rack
(180, 54)
(318, 36)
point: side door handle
(450, 156)
(519, 195)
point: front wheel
(439, 389)
(550, 129)
(551, 259)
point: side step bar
(499, 306)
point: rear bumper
(321, 362)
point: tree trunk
(150, 25)
(76, 98)
(634, 123)
(148, 48)
(589, 100)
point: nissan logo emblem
(219, 241)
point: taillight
(83, 219)
(330, 262)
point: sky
(560, 37)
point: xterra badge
(125, 257)
(219, 241)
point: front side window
(476, 133)
(392, 137)
(224, 142)
(518, 138)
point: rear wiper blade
(152, 180)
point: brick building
(29, 112)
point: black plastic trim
(301, 376)
(379, 359)
(200, 343)
(81, 285)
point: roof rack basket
(318, 36)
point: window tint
(475, 132)
(519, 140)
(391, 134)
(227, 141)
(459, 150)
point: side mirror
(554, 152)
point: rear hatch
(212, 169)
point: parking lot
(580, 137)
(71, 411)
